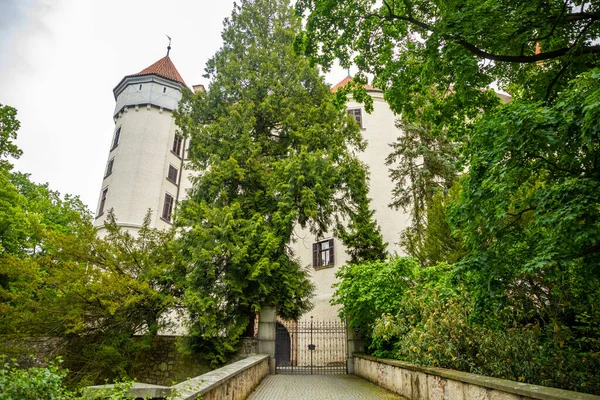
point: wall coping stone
(137, 390)
(202, 384)
(522, 389)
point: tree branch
(582, 16)
(526, 59)
(498, 57)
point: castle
(146, 169)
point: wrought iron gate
(310, 347)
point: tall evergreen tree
(272, 153)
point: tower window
(172, 174)
(140, 88)
(109, 167)
(167, 207)
(357, 114)
(177, 142)
(164, 90)
(116, 139)
(102, 202)
(323, 253)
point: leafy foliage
(433, 326)
(48, 383)
(434, 57)
(97, 294)
(424, 168)
(9, 125)
(369, 289)
(421, 315)
(532, 195)
(273, 153)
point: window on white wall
(177, 144)
(323, 253)
(116, 139)
(172, 174)
(109, 167)
(357, 114)
(168, 207)
(102, 201)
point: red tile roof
(163, 68)
(345, 81)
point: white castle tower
(145, 166)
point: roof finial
(169, 46)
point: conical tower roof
(163, 68)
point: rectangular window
(177, 142)
(323, 253)
(357, 114)
(116, 139)
(109, 167)
(167, 207)
(102, 202)
(172, 175)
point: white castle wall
(379, 131)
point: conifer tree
(272, 153)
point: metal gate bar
(310, 347)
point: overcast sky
(60, 60)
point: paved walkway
(319, 387)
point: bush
(32, 383)
(46, 383)
(370, 289)
(434, 326)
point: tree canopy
(417, 49)
(272, 153)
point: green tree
(424, 167)
(9, 125)
(529, 210)
(106, 297)
(273, 153)
(369, 289)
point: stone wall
(249, 346)
(425, 383)
(163, 364)
(30, 351)
(232, 382)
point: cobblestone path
(319, 387)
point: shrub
(46, 383)
(434, 327)
(370, 289)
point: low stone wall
(30, 351)
(233, 381)
(425, 383)
(163, 364)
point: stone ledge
(202, 384)
(521, 389)
(137, 390)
